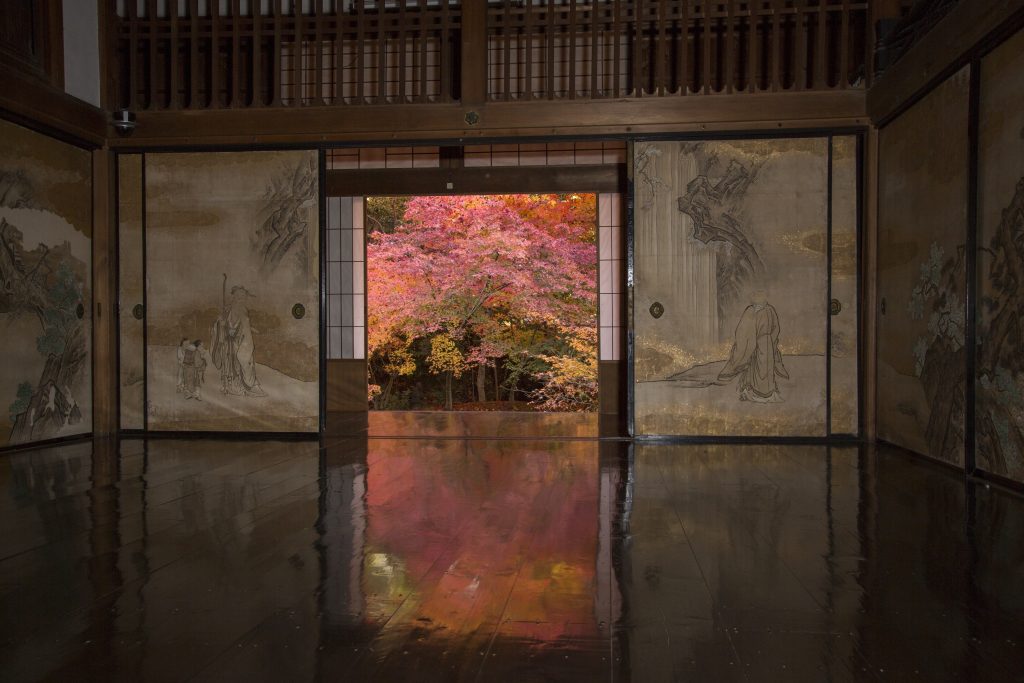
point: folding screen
(45, 287)
(1000, 361)
(922, 218)
(731, 295)
(232, 245)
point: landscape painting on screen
(1000, 366)
(45, 292)
(922, 274)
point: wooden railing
(209, 54)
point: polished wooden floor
(502, 560)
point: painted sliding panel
(844, 308)
(131, 311)
(45, 287)
(730, 292)
(232, 291)
(921, 279)
(1000, 363)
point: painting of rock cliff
(45, 293)
(731, 282)
(232, 291)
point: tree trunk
(386, 394)
(497, 385)
(481, 383)
(448, 390)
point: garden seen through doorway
(482, 302)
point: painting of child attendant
(194, 369)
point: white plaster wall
(82, 50)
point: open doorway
(482, 302)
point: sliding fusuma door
(737, 329)
(232, 244)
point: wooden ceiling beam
(442, 122)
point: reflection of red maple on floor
(474, 298)
(504, 534)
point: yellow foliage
(445, 356)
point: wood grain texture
(773, 111)
(488, 180)
(105, 405)
(40, 102)
(346, 386)
(939, 52)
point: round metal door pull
(657, 310)
(298, 311)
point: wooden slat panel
(154, 101)
(506, 80)
(706, 46)
(638, 50)
(731, 47)
(275, 96)
(424, 38)
(753, 51)
(193, 59)
(298, 54)
(215, 53)
(616, 48)
(821, 47)
(660, 85)
(258, 95)
(382, 58)
(318, 44)
(776, 84)
(174, 100)
(595, 35)
(133, 56)
(360, 48)
(844, 47)
(800, 62)
(528, 33)
(656, 60)
(572, 49)
(549, 51)
(684, 47)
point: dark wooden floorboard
(458, 557)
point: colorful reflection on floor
(474, 559)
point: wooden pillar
(869, 278)
(474, 52)
(104, 288)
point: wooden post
(104, 294)
(474, 52)
(869, 278)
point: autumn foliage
(483, 298)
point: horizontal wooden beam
(36, 101)
(476, 180)
(448, 122)
(967, 28)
